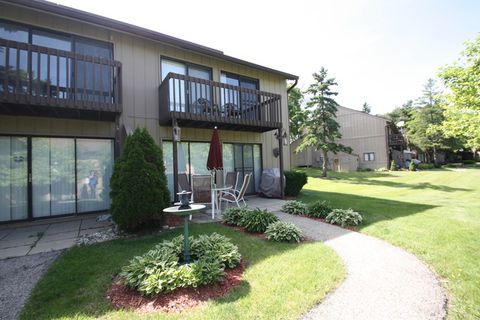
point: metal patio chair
(237, 198)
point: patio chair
(231, 179)
(202, 188)
(184, 185)
(233, 197)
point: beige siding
(141, 78)
(362, 132)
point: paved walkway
(383, 281)
(27, 238)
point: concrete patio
(27, 238)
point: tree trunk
(325, 161)
(434, 155)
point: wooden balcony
(41, 81)
(199, 103)
(396, 139)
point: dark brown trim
(84, 16)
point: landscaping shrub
(426, 166)
(412, 166)
(138, 185)
(344, 217)
(257, 220)
(283, 232)
(295, 207)
(469, 162)
(393, 166)
(294, 182)
(364, 169)
(233, 216)
(159, 270)
(319, 209)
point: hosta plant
(283, 231)
(319, 209)
(257, 220)
(160, 269)
(233, 216)
(344, 217)
(295, 207)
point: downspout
(293, 86)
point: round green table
(185, 213)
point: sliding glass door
(13, 178)
(53, 176)
(67, 176)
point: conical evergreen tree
(138, 184)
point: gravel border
(18, 276)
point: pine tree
(321, 127)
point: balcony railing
(396, 139)
(57, 80)
(195, 102)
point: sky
(379, 51)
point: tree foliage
(403, 113)
(296, 114)
(321, 128)
(462, 105)
(366, 108)
(138, 184)
(424, 129)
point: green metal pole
(186, 244)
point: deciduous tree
(297, 115)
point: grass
(276, 285)
(434, 214)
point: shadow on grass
(372, 209)
(371, 178)
(76, 284)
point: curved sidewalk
(383, 281)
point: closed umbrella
(215, 160)
(214, 163)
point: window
(181, 99)
(245, 103)
(369, 156)
(192, 159)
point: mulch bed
(176, 301)
(253, 234)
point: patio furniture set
(204, 190)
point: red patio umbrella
(215, 159)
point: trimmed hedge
(294, 182)
(138, 185)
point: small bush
(393, 166)
(412, 166)
(257, 220)
(233, 216)
(426, 166)
(364, 170)
(469, 162)
(283, 232)
(159, 270)
(319, 209)
(295, 207)
(138, 185)
(450, 165)
(344, 217)
(294, 182)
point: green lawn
(281, 280)
(434, 214)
